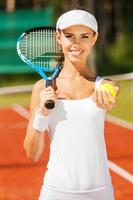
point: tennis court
(20, 178)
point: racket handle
(49, 104)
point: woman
(77, 167)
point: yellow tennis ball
(109, 88)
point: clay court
(21, 179)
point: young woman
(78, 166)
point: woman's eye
(85, 36)
(68, 36)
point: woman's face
(77, 42)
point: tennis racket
(38, 48)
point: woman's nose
(76, 41)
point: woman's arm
(34, 142)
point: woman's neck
(71, 70)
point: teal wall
(11, 26)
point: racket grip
(49, 104)
(48, 83)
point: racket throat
(49, 82)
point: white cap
(77, 17)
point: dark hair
(60, 61)
(77, 7)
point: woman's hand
(46, 94)
(103, 98)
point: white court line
(21, 110)
(114, 167)
(119, 122)
(118, 170)
(15, 89)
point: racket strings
(41, 48)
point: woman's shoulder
(39, 85)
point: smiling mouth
(76, 52)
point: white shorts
(49, 193)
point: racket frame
(50, 104)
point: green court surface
(124, 105)
(11, 99)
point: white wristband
(98, 82)
(40, 122)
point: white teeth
(76, 53)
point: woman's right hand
(47, 94)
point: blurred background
(114, 48)
(112, 57)
(112, 54)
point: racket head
(38, 48)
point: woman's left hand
(104, 99)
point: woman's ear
(58, 37)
